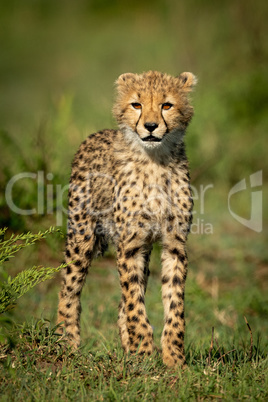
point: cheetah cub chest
(131, 186)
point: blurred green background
(58, 63)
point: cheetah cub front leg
(174, 271)
(122, 315)
(134, 328)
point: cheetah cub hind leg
(79, 255)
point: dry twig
(227, 353)
(251, 339)
(221, 356)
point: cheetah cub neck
(153, 111)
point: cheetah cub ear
(187, 81)
(125, 78)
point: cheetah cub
(131, 186)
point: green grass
(41, 368)
(36, 363)
(57, 67)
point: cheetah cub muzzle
(131, 186)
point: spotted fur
(131, 186)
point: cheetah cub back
(131, 186)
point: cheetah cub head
(153, 108)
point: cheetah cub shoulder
(131, 186)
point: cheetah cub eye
(167, 106)
(136, 105)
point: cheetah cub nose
(150, 126)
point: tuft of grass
(13, 288)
